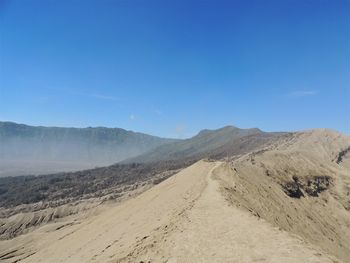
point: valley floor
(183, 219)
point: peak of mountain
(225, 130)
(208, 143)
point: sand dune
(183, 219)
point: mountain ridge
(56, 149)
(208, 143)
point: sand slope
(183, 219)
(299, 185)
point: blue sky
(172, 68)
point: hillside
(287, 200)
(300, 184)
(219, 143)
(37, 150)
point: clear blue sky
(171, 68)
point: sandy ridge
(183, 219)
(212, 231)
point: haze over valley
(38, 150)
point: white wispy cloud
(132, 117)
(302, 93)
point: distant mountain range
(27, 149)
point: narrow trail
(183, 219)
(212, 231)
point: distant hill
(219, 143)
(27, 149)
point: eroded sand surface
(183, 219)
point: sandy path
(213, 231)
(183, 219)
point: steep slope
(183, 219)
(36, 150)
(300, 184)
(27, 202)
(210, 143)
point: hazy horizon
(179, 137)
